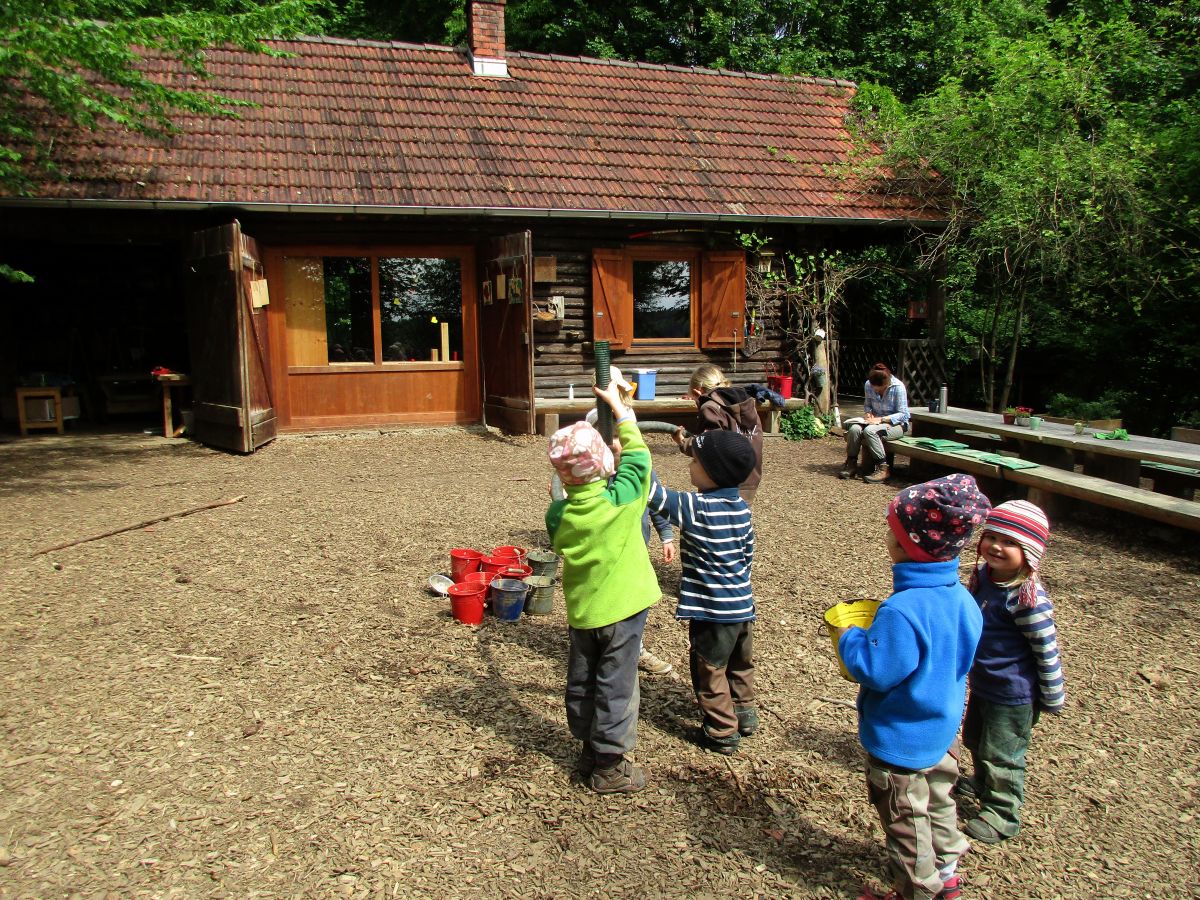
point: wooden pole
(445, 341)
(148, 522)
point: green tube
(604, 419)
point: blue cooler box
(645, 383)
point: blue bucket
(508, 598)
(645, 383)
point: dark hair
(880, 374)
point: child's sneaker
(650, 663)
(587, 760)
(726, 746)
(966, 787)
(623, 777)
(747, 717)
(951, 889)
(982, 830)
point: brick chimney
(485, 37)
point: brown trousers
(919, 822)
(722, 664)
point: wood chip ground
(264, 700)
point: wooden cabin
(418, 234)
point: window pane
(416, 297)
(662, 299)
(348, 309)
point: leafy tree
(1045, 145)
(79, 60)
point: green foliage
(1107, 406)
(80, 59)
(803, 424)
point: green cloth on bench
(1167, 467)
(996, 459)
(939, 444)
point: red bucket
(494, 564)
(484, 578)
(518, 552)
(466, 602)
(464, 561)
(780, 384)
(516, 571)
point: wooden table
(1057, 445)
(51, 394)
(173, 380)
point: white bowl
(440, 584)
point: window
(662, 299)
(668, 295)
(373, 309)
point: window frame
(718, 296)
(465, 257)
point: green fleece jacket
(597, 530)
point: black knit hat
(727, 457)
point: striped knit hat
(1026, 524)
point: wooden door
(227, 334)
(506, 330)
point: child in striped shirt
(716, 550)
(1016, 674)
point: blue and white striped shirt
(716, 552)
(1017, 660)
(892, 406)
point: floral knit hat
(933, 521)
(1026, 524)
(579, 454)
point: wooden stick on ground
(174, 515)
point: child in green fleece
(609, 586)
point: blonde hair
(707, 378)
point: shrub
(1108, 406)
(803, 424)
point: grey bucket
(543, 562)
(540, 600)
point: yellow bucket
(860, 612)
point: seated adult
(885, 415)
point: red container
(466, 602)
(463, 561)
(518, 552)
(780, 384)
(494, 564)
(484, 578)
(518, 571)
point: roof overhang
(467, 211)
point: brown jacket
(731, 409)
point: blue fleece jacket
(912, 664)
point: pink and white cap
(579, 454)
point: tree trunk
(1012, 354)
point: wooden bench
(1044, 484)
(548, 412)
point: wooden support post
(445, 341)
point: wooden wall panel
(375, 397)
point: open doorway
(96, 320)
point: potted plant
(1009, 414)
(1021, 415)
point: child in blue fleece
(912, 665)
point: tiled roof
(365, 124)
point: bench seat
(1044, 483)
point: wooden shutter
(722, 298)
(612, 297)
